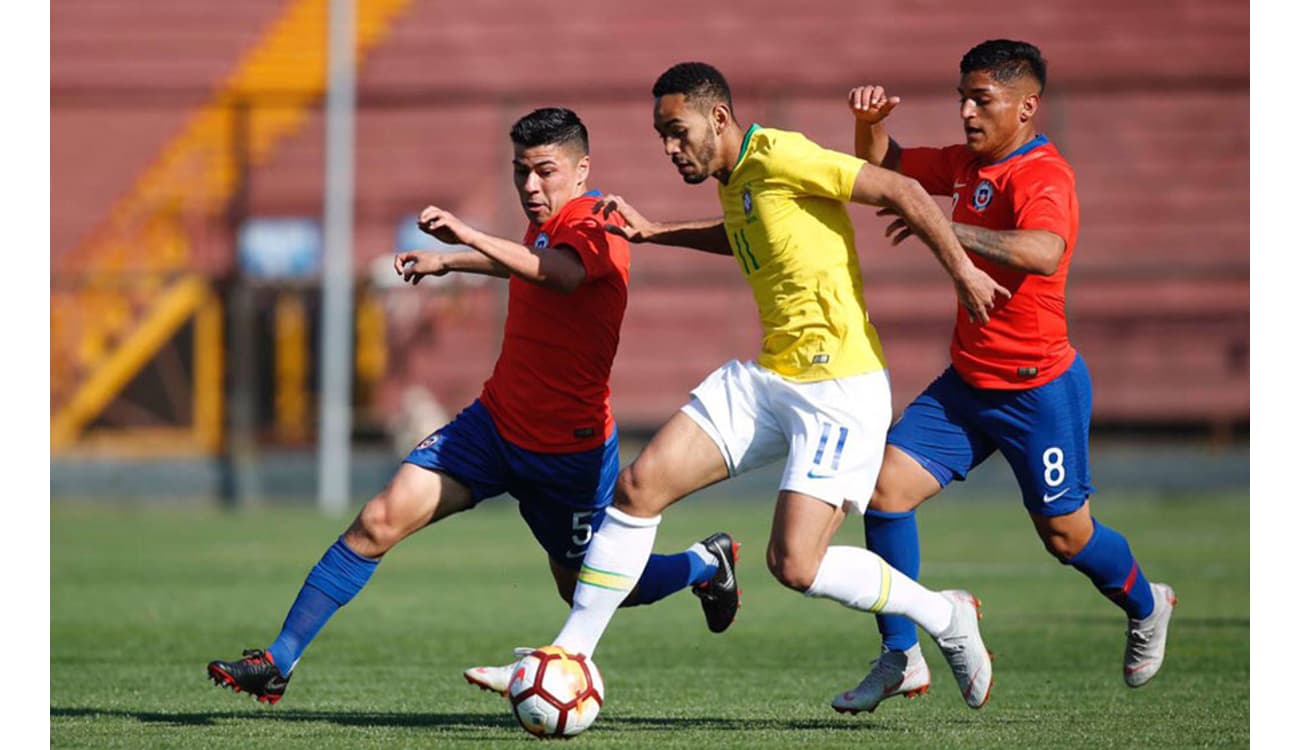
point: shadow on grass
(485, 721)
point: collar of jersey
(1035, 142)
(744, 145)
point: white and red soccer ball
(554, 693)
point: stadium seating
(1159, 286)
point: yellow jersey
(783, 209)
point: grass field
(142, 599)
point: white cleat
(894, 673)
(496, 679)
(964, 649)
(1145, 650)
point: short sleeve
(587, 236)
(1043, 198)
(934, 168)
(813, 170)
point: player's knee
(375, 526)
(1061, 544)
(890, 497)
(633, 492)
(791, 571)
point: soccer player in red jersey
(1016, 385)
(542, 430)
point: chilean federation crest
(983, 195)
(542, 240)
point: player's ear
(720, 115)
(1029, 107)
(583, 168)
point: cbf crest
(542, 240)
(983, 195)
(747, 203)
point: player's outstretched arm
(559, 268)
(414, 265)
(976, 290)
(870, 106)
(703, 234)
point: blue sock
(894, 537)
(667, 574)
(339, 575)
(1107, 560)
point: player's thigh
(802, 528)
(1043, 434)
(457, 466)
(903, 483)
(681, 458)
(414, 498)
(836, 432)
(563, 496)
(732, 407)
(937, 435)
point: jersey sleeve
(587, 237)
(813, 170)
(934, 168)
(1043, 198)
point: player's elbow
(1047, 256)
(905, 195)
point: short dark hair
(550, 126)
(1006, 60)
(694, 80)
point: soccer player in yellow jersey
(818, 394)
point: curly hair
(696, 81)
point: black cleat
(255, 674)
(720, 596)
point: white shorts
(832, 432)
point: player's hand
(869, 104)
(413, 265)
(898, 230)
(444, 225)
(634, 227)
(978, 293)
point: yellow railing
(95, 330)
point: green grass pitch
(142, 599)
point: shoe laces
(882, 674)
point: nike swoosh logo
(814, 475)
(1049, 498)
(956, 185)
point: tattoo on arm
(987, 243)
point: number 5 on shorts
(581, 533)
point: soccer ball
(554, 693)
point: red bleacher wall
(1148, 100)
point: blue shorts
(562, 496)
(1042, 432)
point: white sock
(859, 579)
(615, 559)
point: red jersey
(549, 391)
(1025, 343)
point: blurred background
(187, 224)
